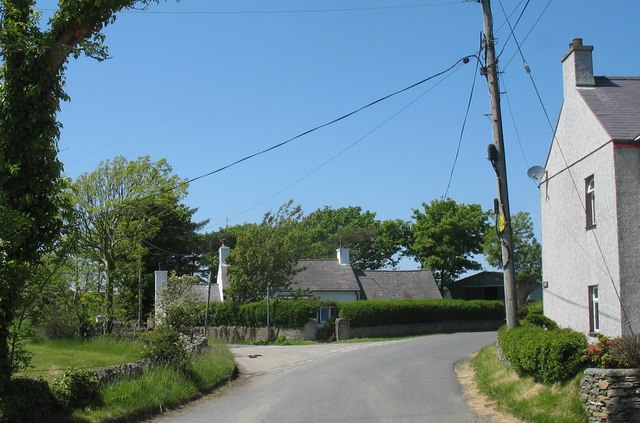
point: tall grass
(523, 397)
(50, 358)
(160, 388)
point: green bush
(547, 355)
(283, 313)
(27, 400)
(164, 346)
(532, 307)
(75, 388)
(539, 320)
(398, 312)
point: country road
(408, 380)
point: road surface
(408, 380)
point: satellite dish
(536, 173)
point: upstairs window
(590, 202)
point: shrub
(164, 346)
(599, 354)
(397, 312)
(283, 313)
(75, 388)
(539, 320)
(532, 307)
(626, 351)
(27, 400)
(180, 302)
(547, 355)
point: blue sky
(203, 83)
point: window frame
(590, 202)
(594, 310)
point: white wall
(573, 257)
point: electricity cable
(464, 125)
(331, 122)
(335, 156)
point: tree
(118, 207)
(527, 255)
(180, 303)
(264, 256)
(446, 235)
(177, 246)
(374, 244)
(31, 89)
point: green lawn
(50, 358)
(523, 397)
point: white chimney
(223, 252)
(343, 256)
(577, 66)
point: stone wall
(244, 333)
(611, 395)
(193, 344)
(426, 328)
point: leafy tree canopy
(34, 57)
(527, 254)
(446, 235)
(374, 244)
(264, 256)
(119, 206)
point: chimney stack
(577, 66)
(343, 256)
(223, 252)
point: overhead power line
(331, 122)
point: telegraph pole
(497, 158)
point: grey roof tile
(615, 101)
(398, 284)
(325, 275)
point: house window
(594, 312)
(590, 200)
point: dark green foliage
(27, 400)
(626, 351)
(75, 388)
(547, 355)
(539, 320)
(284, 313)
(397, 312)
(534, 307)
(446, 238)
(163, 346)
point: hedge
(399, 312)
(547, 355)
(283, 313)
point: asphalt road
(409, 380)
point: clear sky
(203, 83)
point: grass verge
(522, 396)
(50, 358)
(158, 389)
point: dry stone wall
(611, 395)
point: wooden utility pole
(497, 158)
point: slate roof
(325, 275)
(615, 101)
(202, 289)
(330, 276)
(397, 284)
